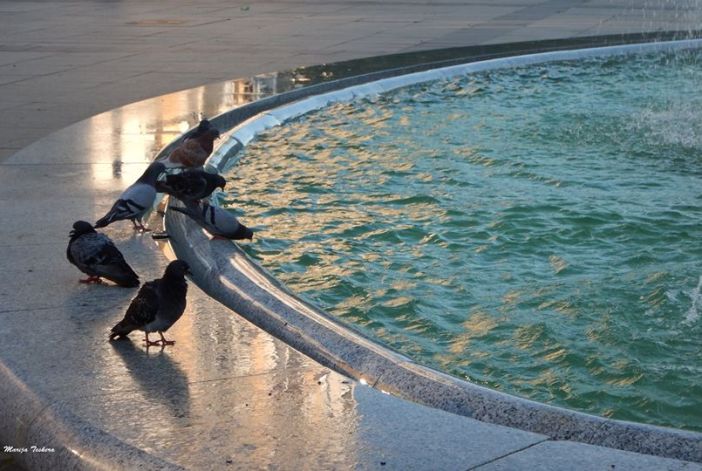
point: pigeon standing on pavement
(136, 200)
(157, 306)
(191, 185)
(194, 150)
(217, 221)
(96, 255)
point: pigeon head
(243, 232)
(213, 133)
(203, 126)
(152, 172)
(80, 228)
(220, 182)
(177, 268)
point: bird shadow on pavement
(159, 377)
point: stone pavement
(227, 396)
(63, 61)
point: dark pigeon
(157, 306)
(191, 185)
(96, 255)
(217, 221)
(136, 200)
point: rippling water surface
(536, 230)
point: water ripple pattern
(536, 230)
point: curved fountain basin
(227, 274)
(533, 230)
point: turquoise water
(536, 230)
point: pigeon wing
(110, 263)
(132, 203)
(141, 311)
(189, 154)
(223, 223)
(84, 252)
(215, 220)
(185, 186)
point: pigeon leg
(150, 343)
(166, 342)
(141, 227)
(93, 279)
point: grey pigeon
(191, 185)
(217, 221)
(157, 306)
(136, 200)
(96, 255)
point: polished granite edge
(224, 271)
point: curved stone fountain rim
(226, 273)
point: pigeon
(136, 200)
(194, 150)
(157, 306)
(191, 185)
(203, 126)
(217, 221)
(96, 255)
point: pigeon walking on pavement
(96, 255)
(157, 306)
(136, 200)
(194, 150)
(217, 221)
(191, 185)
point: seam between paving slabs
(508, 454)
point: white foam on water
(676, 126)
(693, 314)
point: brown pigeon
(194, 150)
